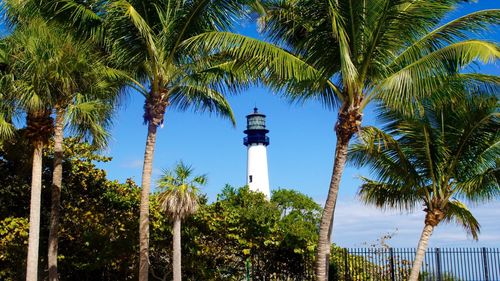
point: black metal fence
(394, 264)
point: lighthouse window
(250, 178)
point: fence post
(438, 264)
(346, 264)
(391, 262)
(485, 263)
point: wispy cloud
(357, 225)
(133, 164)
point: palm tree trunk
(144, 208)
(177, 250)
(56, 195)
(325, 229)
(422, 247)
(348, 123)
(34, 223)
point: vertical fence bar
(485, 264)
(391, 261)
(496, 269)
(438, 264)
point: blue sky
(300, 156)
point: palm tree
(446, 153)
(87, 95)
(179, 199)
(389, 50)
(146, 39)
(76, 85)
(27, 82)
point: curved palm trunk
(177, 250)
(325, 229)
(144, 208)
(56, 195)
(348, 123)
(422, 247)
(34, 223)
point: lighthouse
(256, 142)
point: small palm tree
(179, 199)
(445, 154)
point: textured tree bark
(422, 247)
(349, 122)
(56, 195)
(177, 256)
(34, 223)
(144, 208)
(325, 229)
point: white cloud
(357, 225)
(133, 164)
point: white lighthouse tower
(256, 142)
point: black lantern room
(256, 129)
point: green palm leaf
(459, 213)
(448, 34)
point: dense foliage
(98, 236)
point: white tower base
(257, 173)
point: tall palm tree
(78, 88)
(179, 199)
(29, 89)
(146, 39)
(443, 155)
(85, 91)
(87, 95)
(389, 50)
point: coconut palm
(178, 198)
(390, 50)
(447, 153)
(146, 39)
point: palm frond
(422, 77)
(127, 10)
(7, 129)
(348, 70)
(449, 33)
(386, 195)
(90, 119)
(179, 191)
(459, 213)
(385, 156)
(267, 58)
(201, 98)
